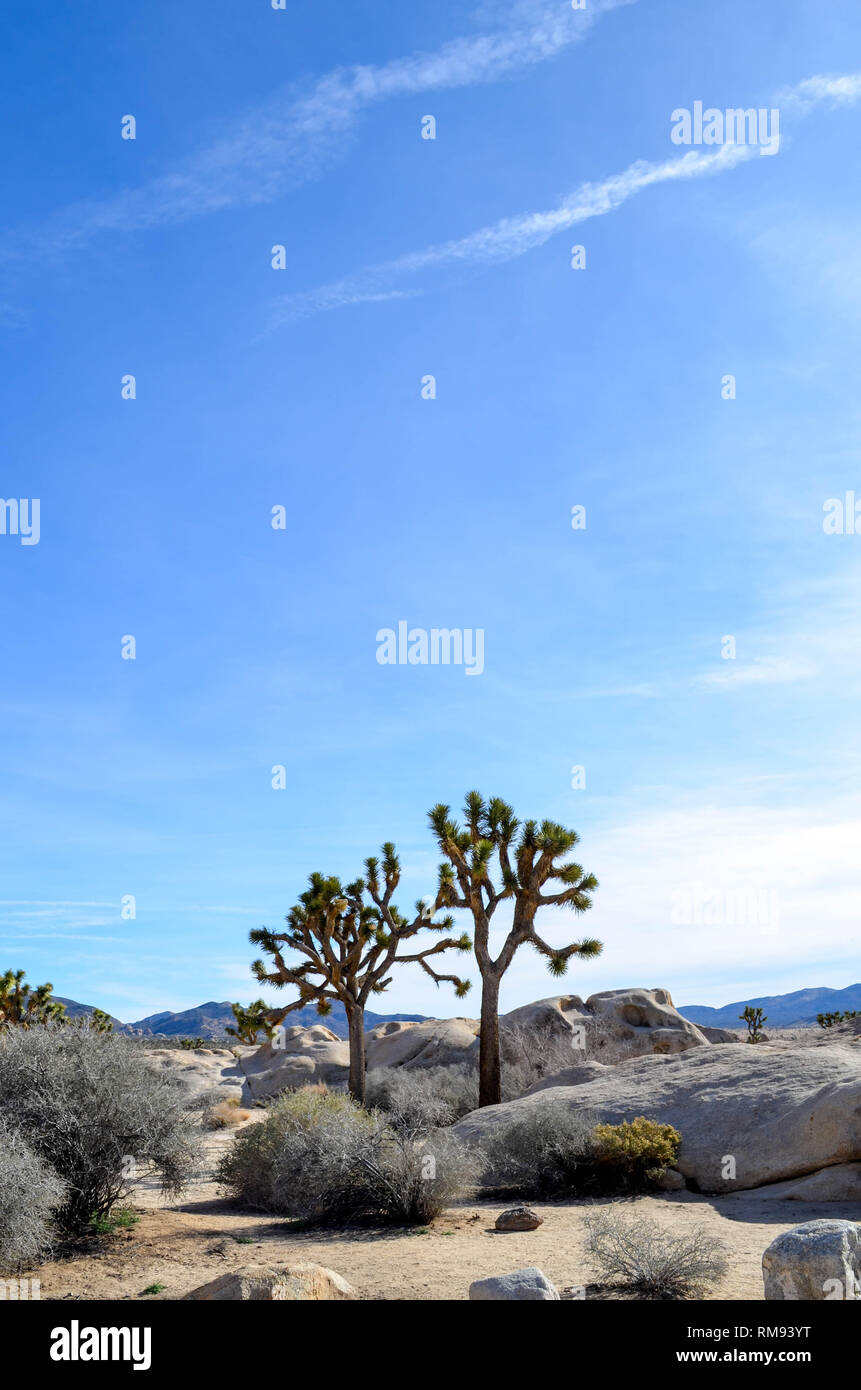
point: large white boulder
(817, 1260)
(298, 1057)
(202, 1069)
(436, 1042)
(609, 1027)
(839, 1183)
(521, 1286)
(747, 1115)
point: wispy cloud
(837, 90)
(766, 671)
(289, 140)
(514, 236)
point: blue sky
(707, 779)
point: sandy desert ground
(202, 1236)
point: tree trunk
(489, 1074)
(356, 1023)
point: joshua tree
(250, 1022)
(754, 1018)
(22, 1006)
(526, 859)
(98, 1021)
(351, 937)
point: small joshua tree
(754, 1018)
(829, 1020)
(527, 858)
(250, 1022)
(22, 1007)
(98, 1021)
(351, 937)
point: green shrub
(636, 1150)
(551, 1149)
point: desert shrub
(192, 1044)
(635, 1151)
(120, 1218)
(421, 1100)
(30, 1193)
(93, 1108)
(550, 1149)
(322, 1158)
(530, 1054)
(641, 1255)
(413, 1180)
(542, 1151)
(224, 1115)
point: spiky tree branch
(23, 1007)
(488, 860)
(351, 937)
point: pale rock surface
(204, 1069)
(521, 1286)
(811, 1260)
(304, 1057)
(611, 1026)
(275, 1283)
(437, 1042)
(839, 1183)
(718, 1035)
(777, 1114)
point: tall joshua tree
(525, 860)
(23, 1006)
(351, 937)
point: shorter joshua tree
(98, 1021)
(22, 1007)
(754, 1018)
(250, 1022)
(350, 938)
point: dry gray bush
(424, 1099)
(93, 1108)
(439, 1096)
(320, 1157)
(544, 1151)
(641, 1255)
(530, 1054)
(30, 1193)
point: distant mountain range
(782, 1010)
(210, 1020)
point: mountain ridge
(795, 1010)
